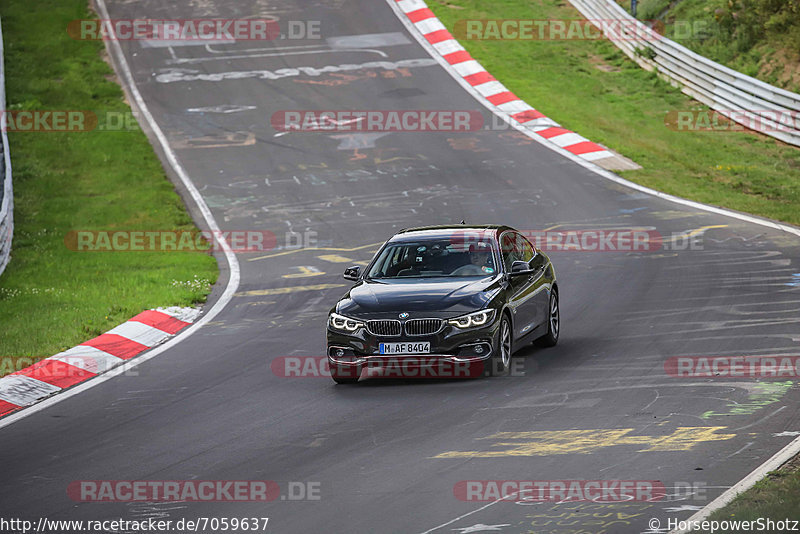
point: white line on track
(782, 455)
(484, 507)
(233, 264)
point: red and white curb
(499, 99)
(91, 358)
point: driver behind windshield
(480, 261)
(434, 258)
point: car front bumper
(455, 353)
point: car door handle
(536, 273)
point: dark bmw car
(444, 297)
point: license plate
(422, 347)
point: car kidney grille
(384, 328)
(422, 327)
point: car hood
(437, 297)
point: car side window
(508, 248)
(524, 248)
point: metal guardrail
(722, 89)
(6, 192)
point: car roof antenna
(463, 222)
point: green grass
(592, 88)
(52, 298)
(776, 497)
(760, 38)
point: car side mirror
(352, 273)
(520, 267)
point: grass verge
(594, 89)
(760, 38)
(776, 497)
(52, 298)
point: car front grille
(384, 327)
(423, 327)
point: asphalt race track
(387, 454)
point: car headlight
(473, 320)
(343, 324)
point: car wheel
(553, 322)
(501, 358)
(345, 374)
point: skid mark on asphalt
(335, 79)
(549, 442)
(257, 303)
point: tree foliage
(748, 21)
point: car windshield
(435, 258)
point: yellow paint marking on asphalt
(335, 258)
(285, 290)
(549, 442)
(692, 233)
(295, 250)
(305, 272)
(675, 214)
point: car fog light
(478, 349)
(339, 353)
